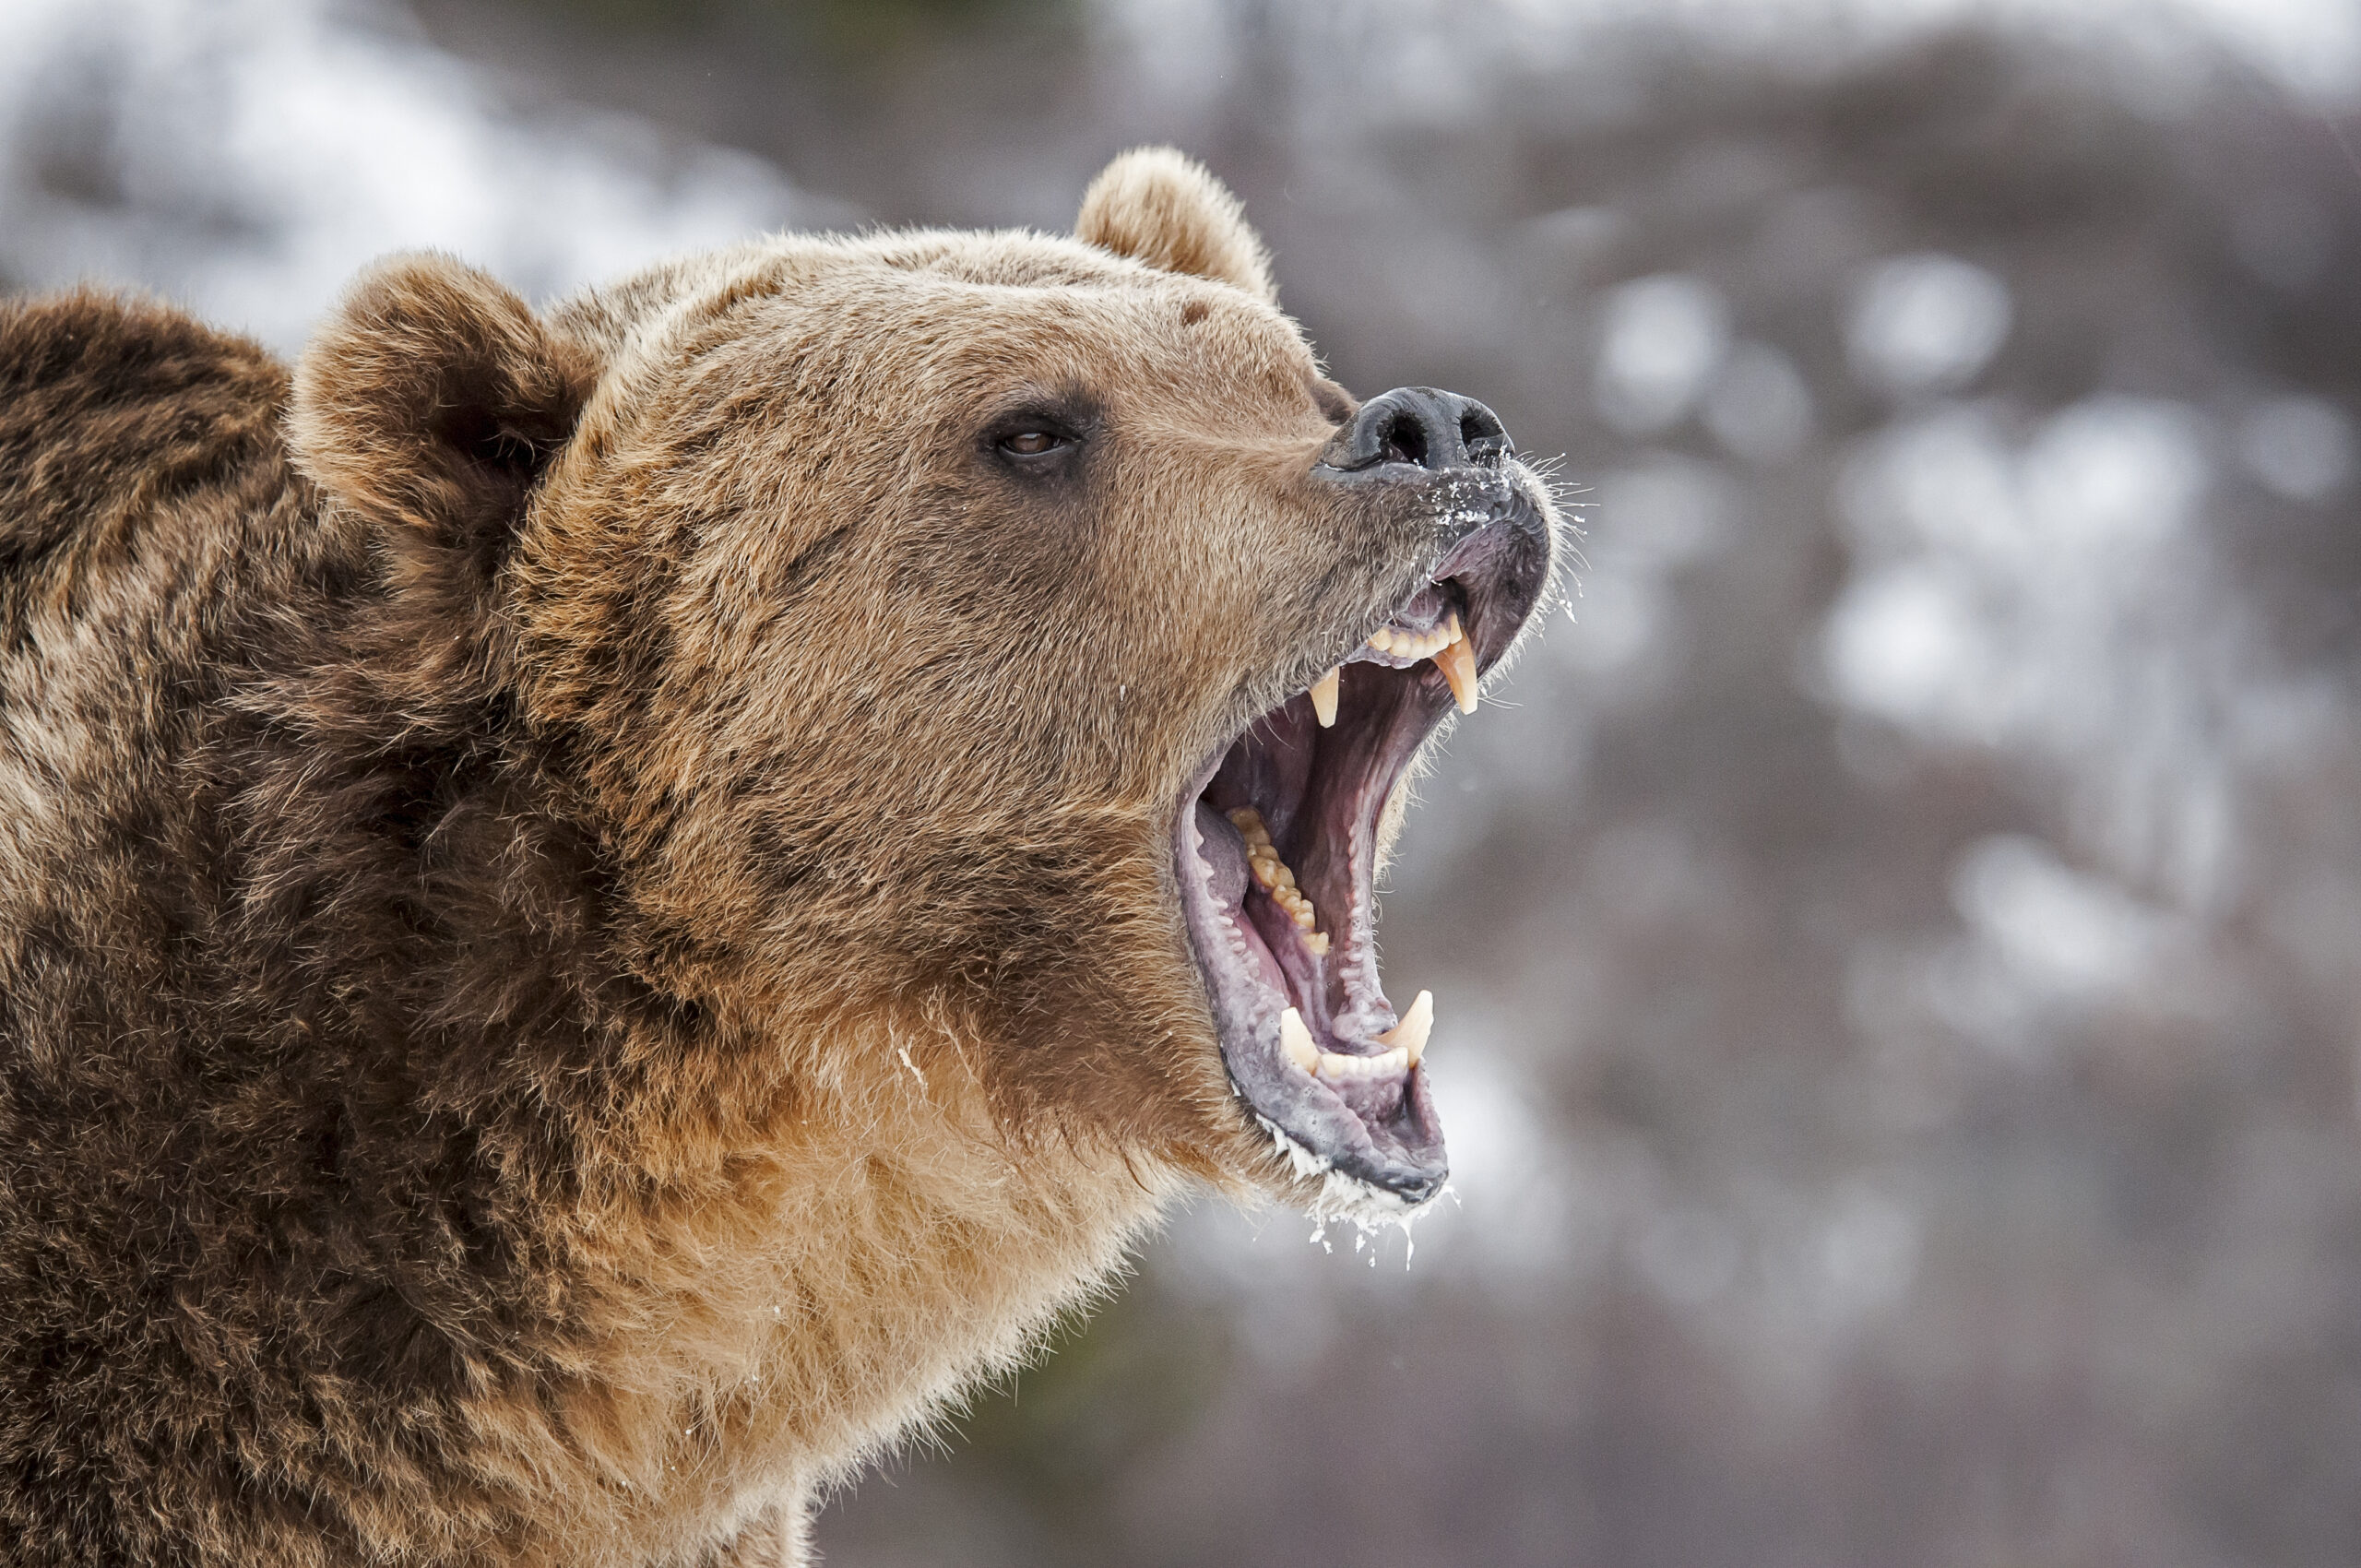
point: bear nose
(1422, 425)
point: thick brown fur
(584, 925)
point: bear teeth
(1382, 1065)
(1295, 1039)
(1415, 645)
(1457, 662)
(1447, 644)
(1411, 1034)
(1276, 879)
(1323, 697)
(1405, 1042)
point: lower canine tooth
(1295, 1041)
(1409, 1036)
(1457, 662)
(1323, 697)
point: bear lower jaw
(1276, 861)
(1349, 1105)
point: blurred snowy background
(1898, 938)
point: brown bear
(599, 908)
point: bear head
(996, 657)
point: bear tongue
(1223, 849)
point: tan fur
(643, 957)
(1162, 209)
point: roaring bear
(600, 907)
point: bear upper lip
(1275, 844)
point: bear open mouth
(1276, 850)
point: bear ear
(1157, 206)
(432, 399)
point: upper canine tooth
(1411, 1034)
(1323, 697)
(1457, 662)
(1295, 1041)
(1382, 639)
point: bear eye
(1034, 442)
(1042, 438)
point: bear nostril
(1406, 440)
(1417, 427)
(1482, 436)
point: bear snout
(1420, 428)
